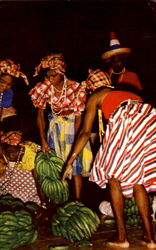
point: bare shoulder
(98, 96)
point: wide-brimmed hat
(115, 48)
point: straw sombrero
(115, 48)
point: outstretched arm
(83, 135)
(78, 120)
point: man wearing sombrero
(116, 57)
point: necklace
(18, 157)
(1, 96)
(57, 89)
(62, 97)
(117, 73)
(10, 173)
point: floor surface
(92, 196)
(46, 240)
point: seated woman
(17, 174)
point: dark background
(80, 29)
(30, 30)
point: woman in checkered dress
(66, 99)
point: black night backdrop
(80, 29)
(30, 30)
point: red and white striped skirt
(128, 152)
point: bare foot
(151, 244)
(124, 244)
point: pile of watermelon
(17, 225)
(49, 168)
(132, 216)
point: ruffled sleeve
(40, 94)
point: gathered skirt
(128, 151)
(61, 135)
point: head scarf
(97, 78)
(54, 61)
(11, 138)
(11, 68)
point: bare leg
(78, 185)
(118, 209)
(142, 202)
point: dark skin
(6, 82)
(2, 167)
(141, 197)
(118, 63)
(11, 153)
(57, 81)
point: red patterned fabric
(11, 68)
(53, 61)
(128, 151)
(73, 102)
(12, 138)
(97, 78)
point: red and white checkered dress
(74, 102)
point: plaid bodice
(73, 101)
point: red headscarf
(54, 61)
(11, 138)
(11, 68)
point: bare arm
(94, 102)
(86, 129)
(78, 120)
(41, 125)
(83, 135)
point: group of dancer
(126, 159)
